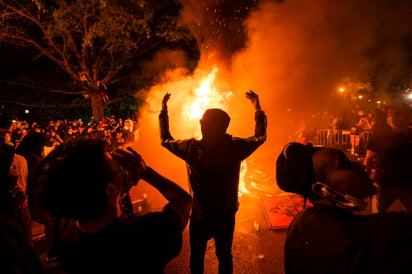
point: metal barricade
(333, 138)
(345, 140)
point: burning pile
(191, 96)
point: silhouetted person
(390, 152)
(32, 149)
(82, 185)
(331, 237)
(213, 166)
(17, 253)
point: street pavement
(256, 247)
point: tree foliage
(98, 44)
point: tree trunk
(97, 107)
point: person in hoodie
(213, 166)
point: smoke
(299, 52)
(295, 54)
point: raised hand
(165, 100)
(131, 161)
(253, 97)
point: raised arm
(254, 99)
(164, 120)
(260, 117)
(179, 200)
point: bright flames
(206, 96)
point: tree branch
(44, 106)
(64, 63)
(40, 88)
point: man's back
(214, 170)
(214, 165)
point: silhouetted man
(213, 166)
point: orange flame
(206, 96)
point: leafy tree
(98, 44)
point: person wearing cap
(330, 236)
(389, 159)
(213, 166)
(82, 186)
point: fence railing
(345, 140)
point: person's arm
(180, 148)
(179, 200)
(59, 138)
(260, 117)
(164, 120)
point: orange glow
(242, 177)
(190, 97)
(205, 96)
(341, 90)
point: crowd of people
(115, 131)
(79, 192)
(355, 120)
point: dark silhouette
(214, 164)
(82, 185)
(18, 255)
(32, 149)
(331, 237)
(389, 152)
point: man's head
(78, 178)
(323, 173)
(214, 123)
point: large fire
(205, 96)
(190, 97)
